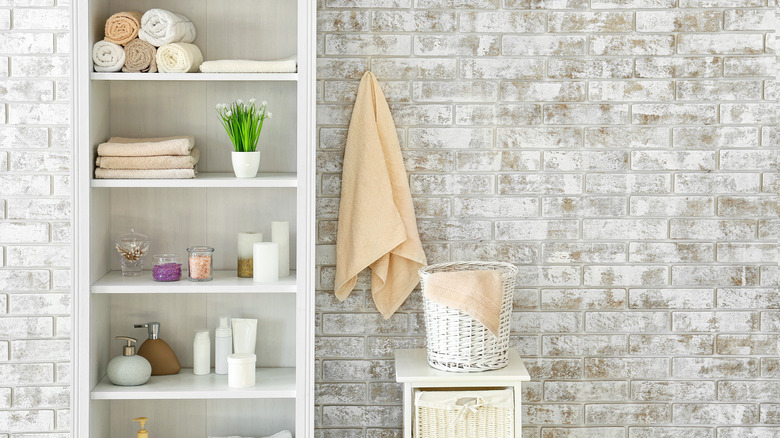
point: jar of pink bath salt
(199, 262)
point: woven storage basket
(464, 414)
(456, 341)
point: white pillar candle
(266, 261)
(246, 240)
(280, 233)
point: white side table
(412, 369)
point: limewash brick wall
(35, 218)
(623, 154)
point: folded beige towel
(144, 174)
(146, 147)
(179, 58)
(288, 65)
(377, 227)
(122, 27)
(477, 293)
(158, 162)
(140, 57)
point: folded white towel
(160, 27)
(288, 65)
(179, 58)
(108, 56)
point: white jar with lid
(241, 370)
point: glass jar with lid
(132, 249)
(199, 261)
(167, 267)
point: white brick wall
(623, 154)
(35, 215)
(619, 151)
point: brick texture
(35, 218)
(622, 153)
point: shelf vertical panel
(307, 25)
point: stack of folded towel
(157, 40)
(147, 158)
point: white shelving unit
(210, 209)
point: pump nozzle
(142, 433)
(129, 349)
(152, 327)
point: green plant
(243, 123)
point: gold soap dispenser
(159, 354)
(143, 433)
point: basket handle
(467, 404)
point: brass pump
(142, 433)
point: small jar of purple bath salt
(167, 267)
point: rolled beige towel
(122, 27)
(146, 147)
(107, 56)
(179, 58)
(148, 163)
(140, 57)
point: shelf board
(270, 383)
(224, 282)
(206, 179)
(118, 76)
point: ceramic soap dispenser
(142, 433)
(128, 369)
(158, 352)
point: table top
(411, 366)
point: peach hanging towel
(377, 227)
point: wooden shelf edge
(224, 282)
(262, 77)
(206, 180)
(271, 383)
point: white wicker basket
(464, 414)
(456, 341)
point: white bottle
(223, 345)
(201, 353)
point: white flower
(270, 115)
(229, 113)
(265, 102)
(239, 101)
(252, 100)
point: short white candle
(280, 233)
(266, 261)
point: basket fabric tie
(467, 404)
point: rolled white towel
(108, 56)
(288, 65)
(179, 58)
(160, 27)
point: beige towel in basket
(477, 293)
(377, 226)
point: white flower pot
(245, 164)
